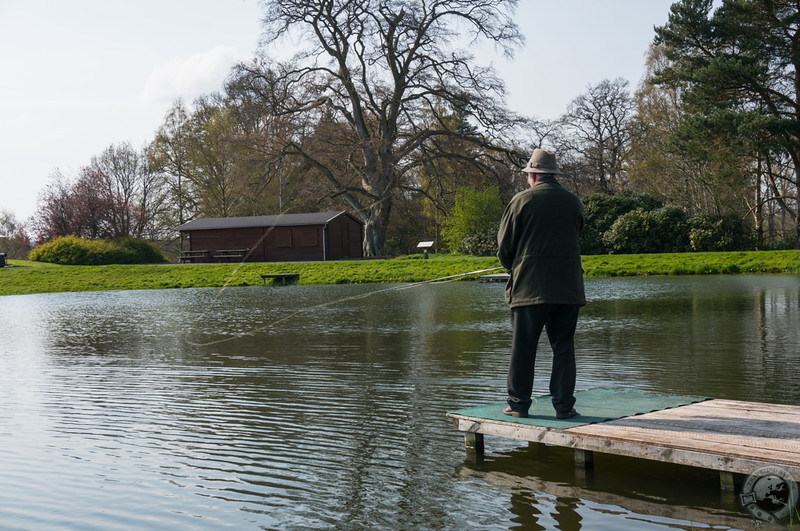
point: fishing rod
(448, 278)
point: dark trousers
(559, 321)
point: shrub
(472, 225)
(665, 230)
(602, 210)
(71, 250)
(670, 230)
(144, 251)
(626, 234)
(718, 233)
(483, 243)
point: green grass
(29, 263)
(724, 263)
(26, 277)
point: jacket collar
(546, 179)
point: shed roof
(277, 220)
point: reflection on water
(212, 408)
(725, 337)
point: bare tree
(269, 179)
(598, 128)
(169, 155)
(368, 78)
(13, 240)
(136, 189)
(117, 195)
(94, 206)
(55, 213)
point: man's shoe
(567, 415)
(515, 413)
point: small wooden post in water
(584, 459)
(729, 480)
(473, 443)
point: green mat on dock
(594, 405)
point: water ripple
(115, 416)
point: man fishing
(538, 243)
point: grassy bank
(32, 277)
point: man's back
(539, 243)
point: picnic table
(229, 254)
(192, 256)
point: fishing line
(449, 278)
(239, 265)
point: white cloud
(189, 77)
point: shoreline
(23, 278)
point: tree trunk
(376, 222)
(797, 236)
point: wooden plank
(674, 423)
(752, 406)
(722, 420)
(714, 423)
(584, 458)
(728, 410)
(730, 445)
(744, 436)
(715, 456)
(727, 481)
(230, 253)
(192, 255)
(725, 447)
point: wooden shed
(278, 238)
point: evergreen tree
(736, 68)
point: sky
(78, 76)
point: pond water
(323, 407)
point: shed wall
(223, 239)
(293, 244)
(344, 238)
(339, 239)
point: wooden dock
(733, 437)
(281, 278)
(499, 277)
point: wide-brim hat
(542, 162)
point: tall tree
(54, 215)
(272, 177)
(737, 69)
(369, 76)
(694, 173)
(168, 153)
(213, 162)
(117, 195)
(597, 132)
(82, 207)
(126, 178)
(226, 168)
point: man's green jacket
(538, 243)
